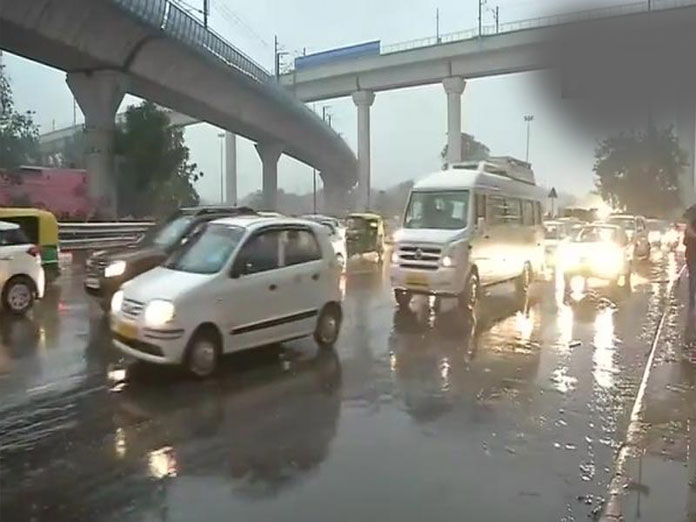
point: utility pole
(480, 16)
(278, 54)
(206, 12)
(437, 25)
(529, 119)
(222, 170)
(497, 19)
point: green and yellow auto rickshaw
(41, 227)
(364, 234)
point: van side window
(497, 210)
(260, 253)
(514, 211)
(480, 206)
(300, 246)
(528, 213)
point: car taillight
(34, 251)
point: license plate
(126, 329)
(92, 282)
(417, 280)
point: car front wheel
(203, 353)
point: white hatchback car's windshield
(207, 252)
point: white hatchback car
(241, 282)
(22, 278)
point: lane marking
(612, 509)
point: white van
(475, 224)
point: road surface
(414, 416)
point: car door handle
(315, 277)
(273, 287)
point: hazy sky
(408, 126)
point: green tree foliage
(472, 149)
(154, 176)
(639, 171)
(19, 135)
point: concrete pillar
(99, 95)
(363, 101)
(454, 87)
(335, 199)
(269, 154)
(230, 168)
(686, 132)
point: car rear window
(13, 236)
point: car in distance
(555, 233)
(336, 236)
(475, 224)
(107, 270)
(241, 282)
(600, 251)
(636, 230)
(22, 278)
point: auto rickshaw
(364, 234)
(41, 227)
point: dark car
(107, 270)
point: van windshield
(438, 210)
(207, 252)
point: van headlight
(115, 269)
(447, 261)
(159, 312)
(117, 301)
(395, 257)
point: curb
(613, 507)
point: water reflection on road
(415, 415)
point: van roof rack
(506, 166)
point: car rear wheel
(203, 353)
(18, 295)
(328, 326)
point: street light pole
(437, 24)
(222, 172)
(529, 119)
(314, 191)
(206, 12)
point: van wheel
(523, 281)
(403, 298)
(469, 298)
(203, 353)
(18, 295)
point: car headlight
(568, 257)
(395, 257)
(610, 261)
(117, 301)
(115, 269)
(447, 261)
(159, 312)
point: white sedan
(22, 278)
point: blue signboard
(336, 55)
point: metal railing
(166, 16)
(87, 236)
(538, 23)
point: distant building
(62, 191)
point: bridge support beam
(686, 133)
(99, 95)
(230, 168)
(454, 87)
(363, 101)
(269, 154)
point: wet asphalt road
(414, 416)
